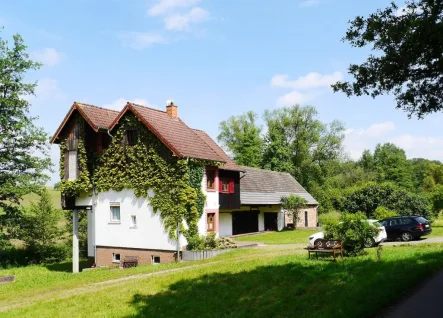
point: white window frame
(133, 224)
(112, 220)
(114, 258)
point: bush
(383, 213)
(327, 218)
(353, 230)
(209, 242)
(14, 257)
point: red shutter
(220, 185)
(231, 186)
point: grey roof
(258, 186)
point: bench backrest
(327, 244)
(130, 258)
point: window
(133, 221)
(210, 222)
(406, 221)
(72, 167)
(155, 259)
(115, 212)
(210, 179)
(131, 136)
(115, 258)
(226, 186)
(306, 218)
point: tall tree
(391, 165)
(299, 143)
(23, 146)
(242, 137)
(407, 62)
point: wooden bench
(333, 247)
(129, 261)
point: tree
(241, 136)
(391, 165)
(292, 204)
(21, 141)
(407, 62)
(297, 142)
(40, 230)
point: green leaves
(292, 204)
(23, 146)
(408, 59)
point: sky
(214, 58)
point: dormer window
(131, 136)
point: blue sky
(215, 58)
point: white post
(75, 252)
(178, 242)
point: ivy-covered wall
(150, 165)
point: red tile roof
(182, 140)
(229, 165)
(174, 133)
(96, 117)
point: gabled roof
(174, 133)
(96, 117)
(258, 186)
(229, 165)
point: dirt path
(98, 286)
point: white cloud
(47, 56)
(182, 22)
(420, 147)
(309, 3)
(311, 80)
(357, 140)
(140, 40)
(47, 89)
(293, 98)
(119, 103)
(165, 6)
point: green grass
(284, 237)
(55, 196)
(260, 282)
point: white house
(237, 199)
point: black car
(406, 228)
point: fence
(199, 255)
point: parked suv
(406, 228)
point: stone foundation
(104, 255)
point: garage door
(244, 222)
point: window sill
(115, 262)
(211, 190)
(115, 222)
(133, 227)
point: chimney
(171, 109)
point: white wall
(225, 224)
(149, 234)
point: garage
(244, 222)
(271, 221)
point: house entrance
(244, 222)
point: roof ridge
(147, 107)
(255, 168)
(112, 110)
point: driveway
(423, 240)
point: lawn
(258, 282)
(283, 237)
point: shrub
(382, 213)
(329, 217)
(353, 230)
(209, 242)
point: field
(255, 282)
(55, 196)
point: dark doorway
(271, 221)
(244, 222)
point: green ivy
(83, 182)
(150, 165)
